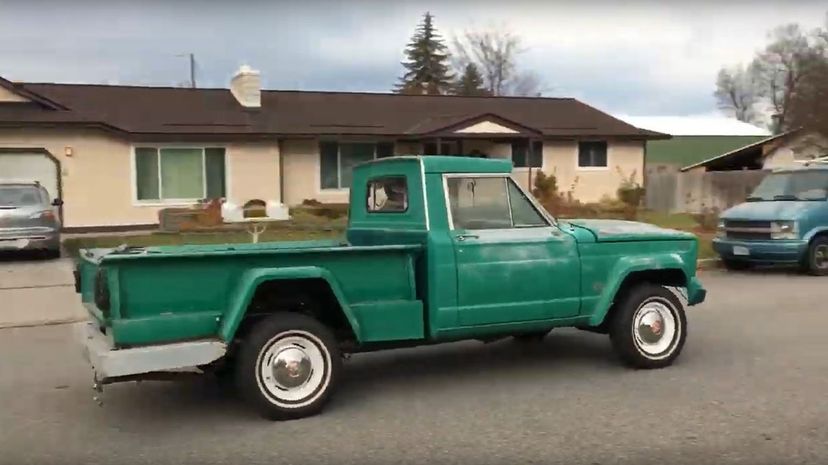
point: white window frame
(175, 202)
(590, 168)
(339, 143)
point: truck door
(512, 265)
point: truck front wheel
(648, 328)
(288, 366)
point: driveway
(36, 291)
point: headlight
(720, 229)
(784, 230)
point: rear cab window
(387, 194)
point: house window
(523, 157)
(179, 173)
(337, 160)
(592, 154)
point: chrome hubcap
(293, 369)
(654, 328)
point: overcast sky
(637, 58)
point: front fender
(623, 268)
(251, 279)
(813, 232)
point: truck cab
(784, 221)
(437, 249)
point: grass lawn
(73, 244)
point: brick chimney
(246, 86)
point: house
(695, 138)
(118, 154)
(778, 151)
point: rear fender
(251, 279)
(626, 266)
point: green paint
(403, 276)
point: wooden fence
(690, 192)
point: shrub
(630, 191)
(707, 218)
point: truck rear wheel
(649, 327)
(288, 366)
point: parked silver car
(28, 219)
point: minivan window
(792, 185)
(19, 196)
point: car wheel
(649, 327)
(735, 265)
(816, 262)
(288, 366)
(52, 253)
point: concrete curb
(48, 322)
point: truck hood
(770, 210)
(625, 231)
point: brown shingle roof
(165, 110)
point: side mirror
(57, 202)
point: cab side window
(489, 203)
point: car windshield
(19, 196)
(795, 185)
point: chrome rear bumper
(109, 363)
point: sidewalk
(38, 292)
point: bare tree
(495, 51)
(736, 93)
(809, 104)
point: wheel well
(312, 296)
(672, 277)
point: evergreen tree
(426, 69)
(471, 83)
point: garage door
(30, 166)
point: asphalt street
(749, 388)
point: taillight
(102, 292)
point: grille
(748, 235)
(747, 224)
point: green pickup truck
(437, 249)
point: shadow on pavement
(366, 375)
(24, 256)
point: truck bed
(173, 293)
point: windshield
(801, 185)
(19, 196)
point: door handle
(463, 237)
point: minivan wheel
(288, 366)
(649, 327)
(816, 261)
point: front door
(512, 265)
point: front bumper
(110, 363)
(778, 251)
(34, 238)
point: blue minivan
(784, 221)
